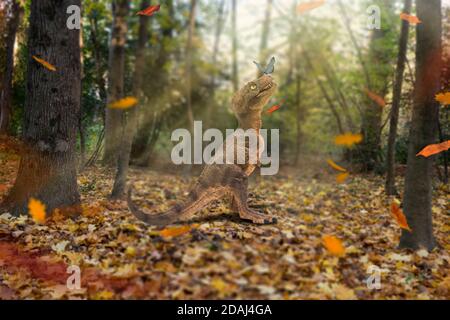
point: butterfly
(270, 68)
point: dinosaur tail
(174, 214)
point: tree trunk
(418, 188)
(115, 81)
(141, 143)
(47, 168)
(212, 89)
(397, 94)
(191, 30)
(218, 33)
(7, 64)
(265, 36)
(371, 117)
(234, 73)
(129, 124)
(99, 69)
(299, 116)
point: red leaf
(149, 11)
(376, 98)
(434, 148)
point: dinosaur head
(254, 95)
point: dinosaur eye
(253, 86)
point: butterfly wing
(270, 67)
(260, 68)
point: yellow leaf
(348, 139)
(341, 177)
(36, 210)
(443, 98)
(104, 295)
(219, 285)
(130, 251)
(175, 231)
(335, 166)
(333, 245)
(124, 103)
(45, 63)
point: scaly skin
(218, 181)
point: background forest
(336, 76)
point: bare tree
(11, 13)
(234, 72)
(115, 80)
(129, 123)
(401, 61)
(47, 168)
(191, 31)
(418, 188)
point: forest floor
(217, 255)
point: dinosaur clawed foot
(257, 217)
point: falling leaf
(410, 18)
(124, 103)
(335, 166)
(341, 177)
(333, 245)
(175, 231)
(273, 108)
(36, 210)
(307, 6)
(149, 11)
(434, 149)
(348, 139)
(376, 98)
(45, 63)
(398, 215)
(443, 98)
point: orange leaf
(443, 98)
(434, 149)
(149, 11)
(348, 139)
(273, 108)
(398, 215)
(335, 166)
(333, 245)
(45, 63)
(307, 6)
(3, 187)
(411, 19)
(341, 177)
(175, 231)
(36, 210)
(376, 98)
(124, 103)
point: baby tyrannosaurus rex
(218, 181)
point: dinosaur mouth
(265, 89)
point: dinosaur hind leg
(238, 185)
